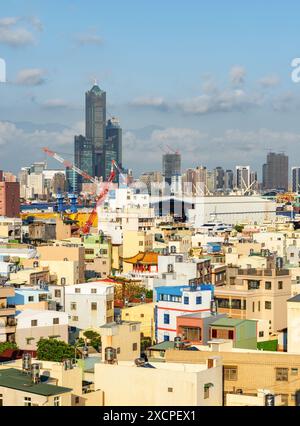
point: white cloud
(269, 81)
(55, 104)
(237, 75)
(8, 21)
(15, 37)
(224, 101)
(31, 77)
(90, 38)
(150, 102)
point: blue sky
(211, 78)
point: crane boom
(99, 200)
(68, 164)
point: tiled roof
(145, 258)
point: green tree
(94, 338)
(7, 345)
(239, 228)
(54, 350)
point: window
(142, 315)
(57, 293)
(268, 305)
(94, 306)
(206, 390)
(166, 338)
(34, 323)
(29, 340)
(77, 290)
(261, 334)
(186, 300)
(280, 285)
(134, 346)
(230, 373)
(253, 285)
(282, 374)
(73, 306)
(253, 306)
(118, 350)
(230, 334)
(294, 371)
(259, 306)
(93, 290)
(140, 243)
(198, 300)
(133, 328)
(236, 304)
(75, 318)
(285, 399)
(268, 285)
(56, 401)
(170, 389)
(214, 333)
(27, 401)
(63, 281)
(55, 320)
(30, 299)
(166, 319)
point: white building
(32, 325)
(172, 302)
(88, 304)
(166, 384)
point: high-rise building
(276, 171)
(296, 179)
(242, 177)
(9, 199)
(83, 158)
(113, 146)
(220, 177)
(229, 180)
(95, 125)
(149, 178)
(171, 166)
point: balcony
(263, 272)
(6, 311)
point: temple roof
(144, 258)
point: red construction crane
(70, 165)
(99, 200)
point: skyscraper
(229, 178)
(220, 175)
(112, 146)
(276, 171)
(296, 179)
(83, 158)
(95, 125)
(242, 177)
(171, 166)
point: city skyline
(225, 100)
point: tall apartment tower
(112, 146)
(220, 178)
(9, 198)
(276, 171)
(296, 179)
(171, 166)
(242, 177)
(229, 180)
(83, 158)
(95, 125)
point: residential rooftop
(16, 379)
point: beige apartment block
(248, 371)
(168, 384)
(7, 320)
(65, 253)
(125, 337)
(293, 324)
(256, 294)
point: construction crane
(99, 200)
(69, 165)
